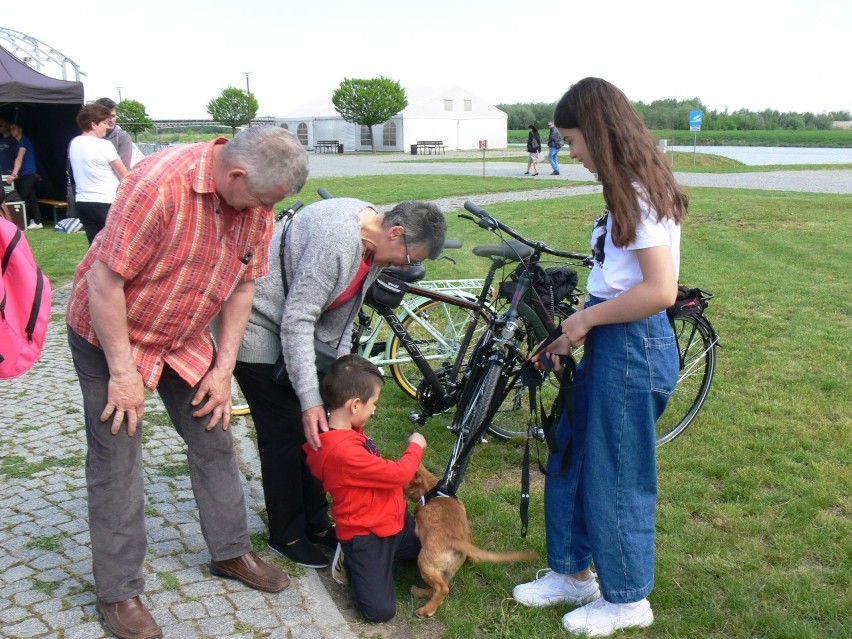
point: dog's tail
(477, 555)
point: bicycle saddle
(511, 250)
(409, 274)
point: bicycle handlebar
(324, 194)
(490, 223)
(295, 206)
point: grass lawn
(754, 505)
(755, 501)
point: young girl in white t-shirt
(601, 507)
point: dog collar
(432, 494)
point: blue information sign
(695, 120)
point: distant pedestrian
(534, 149)
(554, 143)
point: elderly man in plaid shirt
(186, 237)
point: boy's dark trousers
(369, 565)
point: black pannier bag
(386, 291)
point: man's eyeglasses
(407, 256)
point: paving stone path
(46, 585)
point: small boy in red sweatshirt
(373, 524)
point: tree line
(674, 115)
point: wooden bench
(326, 146)
(430, 147)
(56, 205)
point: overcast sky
(174, 56)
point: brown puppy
(444, 533)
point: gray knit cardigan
(322, 255)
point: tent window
(302, 133)
(448, 105)
(389, 134)
(285, 127)
(365, 136)
(468, 105)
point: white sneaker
(601, 618)
(338, 572)
(34, 226)
(554, 588)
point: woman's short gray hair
(271, 157)
(424, 225)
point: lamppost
(248, 97)
(119, 94)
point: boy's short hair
(348, 377)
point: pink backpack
(25, 299)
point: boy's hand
(418, 439)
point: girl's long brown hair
(623, 151)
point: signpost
(695, 127)
(483, 144)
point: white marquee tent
(454, 116)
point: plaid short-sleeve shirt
(182, 252)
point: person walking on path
(601, 507)
(534, 149)
(554, 143)
(185, 240)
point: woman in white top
(97, 169)
(601, 507)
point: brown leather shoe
(129, 619)
(252, 571)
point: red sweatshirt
(366, 490)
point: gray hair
(424, 224)
(270, 156)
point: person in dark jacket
(534, 149)
(554, 143)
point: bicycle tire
(469, 420)
(696, 342)
(448, 321)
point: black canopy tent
(47, 110)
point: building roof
(422, 103)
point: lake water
(756, 155)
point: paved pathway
(331, 165)
(46, 587)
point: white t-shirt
(616, 270)
(90, 160)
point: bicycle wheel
(438, 329)
(696, 342)
(469, 422)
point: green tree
(369, 102)
(132, 117)
(233, 108)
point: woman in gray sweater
(334, 250)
